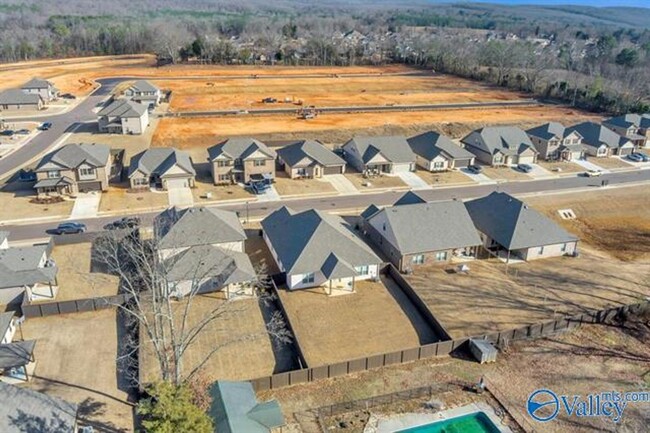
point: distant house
(123, 116)
(309, 158)
(376, 155)
(22, 409)
(202, 251)
(16, 99)
(74, 168)
(635, 127)
(235, 409)
(436, 152)
(38, 86)
(26, 271)
(501, 145)
(145, 93)
(316, 249)
(236, 160)
(555, 142)
(510, 226)
(412, 234)
(161, 167)
(600, 141)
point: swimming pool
(476, 422)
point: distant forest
(595, 58)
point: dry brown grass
(219, 192)
(120, 198)
(445, 178)
(288, 187)
(505, 173)
(611, 163)
(16, 204)
(566, 167)
(379, 182)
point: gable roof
(158, 160)
(207, 261)
(239, 148)
(188, 227)
(409, 197)
(16, 354)
(394, 148)
(513, 224)
(296, 152)
(508, 140)
(595, 135)
(73, 155)
(37, 83)
(550, 130)
(370, 211)
(235, 409)
(4, 235)
(23, 407)
(123, 108)
(305, 240)
(17, 96)
(631, 119)
(427, 227)
(431, 144)
(5, 322)
(19, 266)
(143, 86)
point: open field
(81, 366)
(379, 182)
(219, 192)
(120, 198)
(566, 167)
(610, 163)
(20, 196)
(331, 329)
(286, 186)
(504, 173)
(452, 177)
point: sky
(598, 3)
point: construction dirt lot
(332, 329)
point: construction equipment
(307, 113)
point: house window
(541, 250)
(438, 165)
(418, 260)
(224, 177)
(441, 256)
(223, 163)
(54, 174)
(308, 278)
(259, 162)
(498, 159)
(362, 270)
(140, 181)
(86, 172)
(238, 162)
(563, 248)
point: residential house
(635, 127)
(377, 155)
(161, 167)
(38, 86)
(315, 249)
(555, 142)
(74, 168)
(7, 327)
(26, 410)
(145, 93)
(436, 152)
(238, 160)
(202, 251)
(26, 271)
(123, 116)
(501, 145)
(510, 228)
(16, 99)
(412, 234)
(234, 409)
(309, 158)
(601, 142)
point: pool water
(476, 422)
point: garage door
(338, 169)
(176, 183)
(461, 162)
(526, 159)
(90, 186)
(624, 152)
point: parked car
(526, 168)
(476, 169)
(69, 228)
(7, 132)
(123, 223)
(68, 96)
(593, 173)
(45, 126)
(23, 132)
(269, 100)
(644, 157)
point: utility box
(483, 351)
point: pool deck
(410, 420)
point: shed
(483, 350)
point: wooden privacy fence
(75, 306)
(441, 348)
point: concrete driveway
(181, 197)
(269, 194)
(86, 205)
(478, 178)
(539, 172)
(413, 180)
(587, 165)
(341, 183)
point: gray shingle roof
(334, 267)
(45, 183)
(595, 135)
(4, 235)
(197, 226)
(409, 197)
(394, 148)
(123, 108)
(16, 354)
(207, 261)
(296, 152)
(239, 148)
(431, 144)
(235, 409)
(427, 227)
(5, 322)
(25, 410)
(370, 211)
(513, 224)
(17, 96)
(627, 120)
(509, 140)
(37, 83)
(158, 160)
(304, 241)
(549, 130)
(19, 266)
(73, 155)
(143, 86)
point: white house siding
(9, 335)
(599, 152)
(403, 167)
(548, 251)
(430, 165)
(135, 125)
(294, 281)
(207, 285)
